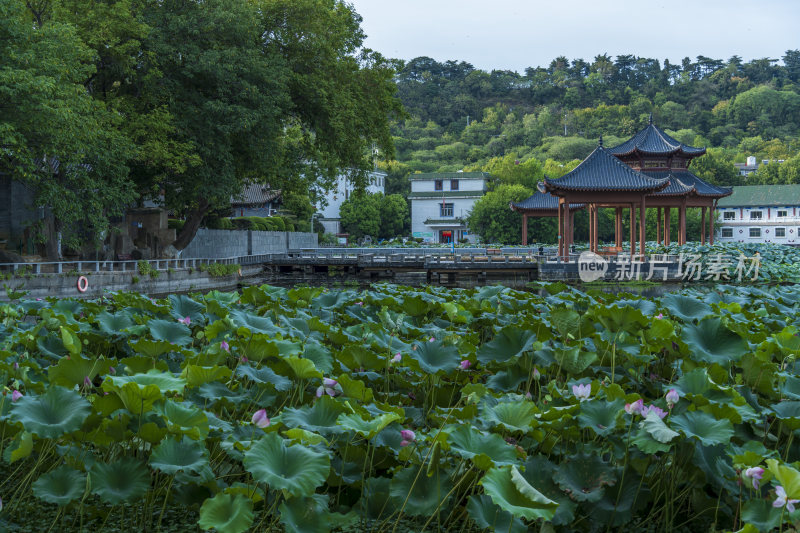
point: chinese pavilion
(648, 170)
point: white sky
(515, 34)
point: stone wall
(65, 286)
(216, 243)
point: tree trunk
(191, 225)
(51, 242)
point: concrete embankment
(168, 281)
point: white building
(441, 202)
(329, 214)
(760, 213)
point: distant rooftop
(450, 176)
(762, 196)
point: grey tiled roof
(654, 141)
(702, 188)
(542, 202)
(255, 195)
(601, 171)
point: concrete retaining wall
(216, 243)
(65, 286)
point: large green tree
(492, 218)
(54, 137)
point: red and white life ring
(83, 284)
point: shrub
(278, 223)
(175, 224)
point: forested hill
(462, 117)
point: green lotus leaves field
(402, 409)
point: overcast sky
(515, 34)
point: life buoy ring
(83, 284)
(240, 272)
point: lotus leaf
(509, 343)
(172, 456)
(712, 342)
(488, 515)
(319, 418)
(227, 513)
(172, 332)
(600, 416)
(704, 427)
(584, 477)
(685, 307)
(418, 494)
(512, 415)
(182, 306)
(60, 486)
(306, 515)
(485, 449)
(436, 357)
(295, 469)
(512, 493)
(52, 414)
(125, 480)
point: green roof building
(761, 213)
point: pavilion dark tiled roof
(654, 141)
(255, 195)
(701, 187)
(542, 202)
(601, 171)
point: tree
(279, 92)
(492, 218)
(56, 139)
(509, 170)
(395, 220)
(361, 215)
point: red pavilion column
(633, 225)
(524, 229)
(560, 228)
(667, 226)
(658, 225)
(618, 227)
(682, 223)
(642, 218)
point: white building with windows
(329, 214)
(760, 213)
(441, 202)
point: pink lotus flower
(15, 365)
(404, 443)
(582, 392)
(755, 474)
(782, 499)
(111, 370)
(87, 382)
(635, 408)
(185, 320)
(432, 339)
(243, 360)
(672, 398)
(408, 436)
(225, 346)
(397, 357)
(528, 396)
(653, 409)
(465, 364)
(327, 387)
(260, 418)
(16, 395)
(536, 374)
(359, 303)
(660, 316)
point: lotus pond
(401, 409)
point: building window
(446, 210)
(727, 232)
(729, 215)
(437, 185)
(756, 215)
(780, 232)
(755, 232)
(453, 185)
(782, 213)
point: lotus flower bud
(408, 435)
(465, 364)
(260, 418)
(225, 346)
(16, 395)
(672, 397)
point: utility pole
(565, 124)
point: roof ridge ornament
(651, 118)
(600, 141)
